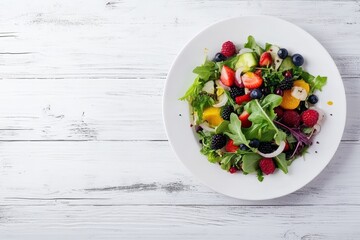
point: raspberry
(279, 112)
(267, 166)
(291, 118)
(265, 147)
(235, 92)
(218, 141)
(310, 117)
(226, 112)
(233, 170)
(228, 49)
(286, 84)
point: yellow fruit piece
(212, 116)
(303, 84)
(288, 101)
(219, 91)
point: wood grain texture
(83, 151)
(60, 221)
(139, 173)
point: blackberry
(265, 147)
(286, 84)
(218, 141)
(235, 91)
(226, 111)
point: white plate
(317, 61)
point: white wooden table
(83, 151)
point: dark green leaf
(281, 162)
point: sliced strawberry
(244, 118)
(227, 76)
(251, 80)
(265, 59)
(241, 99)
(230, 147)
(258, 72)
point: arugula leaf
(193, 90)
(235, 132)
(281, 162)
(200, 102)
(250, 162)
(226, 161)
(223, 127)
(206, 70)
(318, 83)
(251, 43)
(262, 115)
(213, 157)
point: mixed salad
(254, 110)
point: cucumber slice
(246, 61)
(287, 64)
(273, 50)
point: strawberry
(227, 76)
(244, 118)
(310, 117)
(228, 49)
(241, 99)
(230, 147)
(251, 80)
(265, 59)
(291, 118)
(267, 166)
(258, 72)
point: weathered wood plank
(102, 109)
(63, 221)
(121, 173)
(49, 40)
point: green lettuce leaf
(251, 43)
(250, 162)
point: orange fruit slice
(212, 116)
(288, 101)
(303, 84)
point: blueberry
(254, 143)
(219, 57)
(256, 94)
(243, 147)
(313, 99)
(282, 53)
(298, 60)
